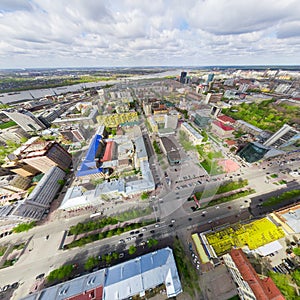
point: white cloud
(133, 32)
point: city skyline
(138, 33)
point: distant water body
(15, 97)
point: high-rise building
(44, 155)
(183, 77)
(285, 136)
(25, 119)
(210, 77)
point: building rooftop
(123, 280)
(249, 125)
(88, 166)
(291, 217)
(223, 126)
(108, 151)
(194, 132)
(71, 288)
(226, 119)
(262, 289)
(142, 273)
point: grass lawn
(282, 281)
(187, 272)
(2, 250)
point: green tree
(152, 242)
(91, 263)
(108, 258)
(115, 255)
(61, 273)
(132, 250)
(297, 251)
(60, 181)
(144, 196)
(23, 227)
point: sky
(108, 33)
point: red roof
(263, 289)
(223, 126)
(230, 142)
(226, 119)
(108, 151)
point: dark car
(40, 276)
(152, 231)
(15, 285)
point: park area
(253, 235)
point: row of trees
(24, 227)
(92, 225)
(234, 196)
(224, 188)
(102, 235)
(156, 147)
(284, 196)
(62, 273)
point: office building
(25, 119)
(170, 150)
(75, 133)
(13, 164)
(183, 77)
(253, 152)
(249, 285)
(13, 134)
(222, 130)
(89, 118)
(194, 136)
(38, 202)
(210, 77)
(11, 184)
(46, 154)
(248, 128)
(91, 166)
(132, 279)
(285, 136)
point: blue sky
(95, 33)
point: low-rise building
(14, 134)
(90, 119)
(249, 128)
(36, 204)
(114, 120)
(222, 130)
(13, 184)
(194, 136)
(250, 286)
(170, 150)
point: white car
(156, 225)
(172, 221)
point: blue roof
(89, 166)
